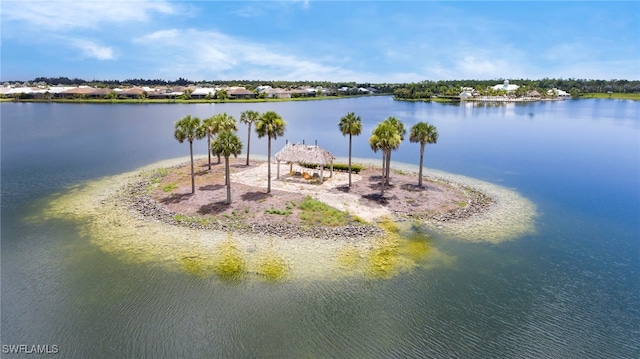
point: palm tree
(223, 122)
(270, 124)
(385, 137)
(187, 129)
(249, 117)
(350, 125)
(424, 133)
(226, 144)
(399, 127)
(207, 129)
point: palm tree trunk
(227, 178)
(209, 148)
(384, 158)
(420, 170)
(248, 142)
(193, 181)
(269, 165)
(388, 166)
(349, 160)
(384, 181)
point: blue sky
(362, 41)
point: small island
(299, 204)
(296, 214)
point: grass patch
(279, 212)
(203, 221)
(155, 177)
(170, 187)
(318, 213)
(619, 96)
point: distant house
(203, 92)
(158, 93)
(276, 93)
(241, 93)
(505, 86)
(133, 92)
(99, 93)
(559, 93)
(17, 91)
(465, 95)
(82, 91)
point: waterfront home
(506, 86)
(203, 92)
(240, 92)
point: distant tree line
(427, 89)
(423, 89)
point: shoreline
(101, 216)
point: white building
(506, 87)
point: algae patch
(229, 261)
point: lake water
(569, 290)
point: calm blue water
(570, 290)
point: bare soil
(436, 200)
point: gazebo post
(331, 175)
(278, 170)
(321, 173)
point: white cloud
(93, 50)
(482, 67)
(73, 14)
(211, 54)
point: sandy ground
(251, 200)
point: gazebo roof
(304, 154)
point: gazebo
(301, 153)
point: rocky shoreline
(137, 198)
(477, 203)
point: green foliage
(187, 129)
(270, 124)
(350, 125)
(169, 187)
(336, 167)
(621, 96)
(227, 144)
(318, 213)
(280, 212)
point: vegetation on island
(270, 124)
(351, 125)
(386, 137)
(188, 129)
(222, 141)
(423, 133)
